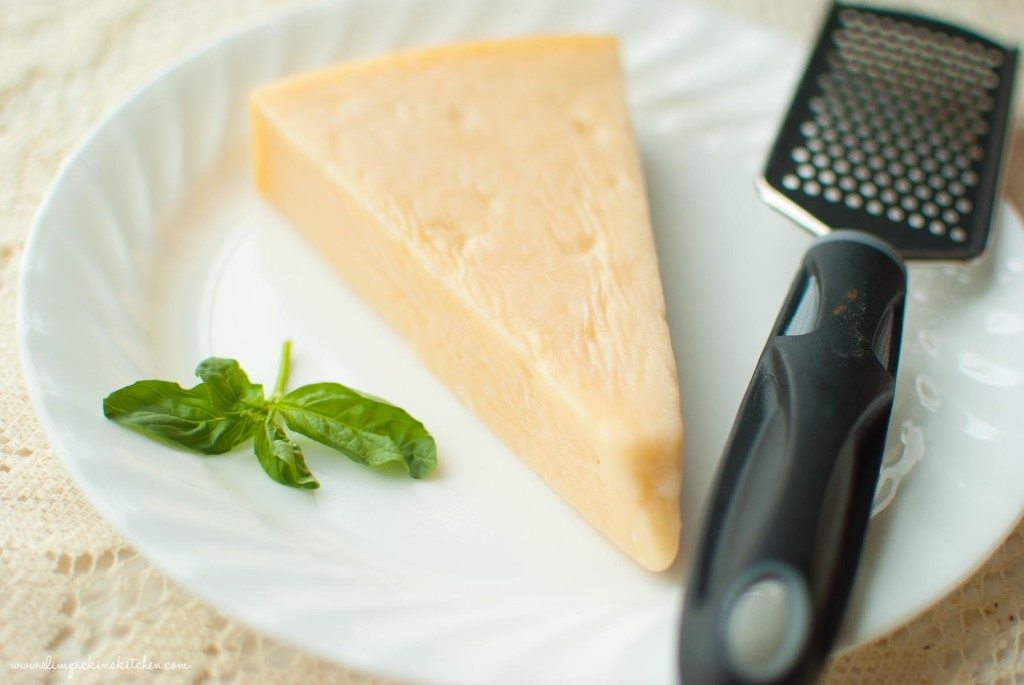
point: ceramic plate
(152, 251)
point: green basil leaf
(228, 385)
(186, 417)
(366, 429)
(227, 409)
(280, 457)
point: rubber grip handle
(786, 519)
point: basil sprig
(227, 409)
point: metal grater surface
(896, 128)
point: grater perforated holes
(897, 126)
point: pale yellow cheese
(487, 199)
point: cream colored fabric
(70, 587)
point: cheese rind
(487, 199)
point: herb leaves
(186, 417)
(280, 457)
(227, 409)
(366, 429)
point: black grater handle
(786, 520)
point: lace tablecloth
(71, 589)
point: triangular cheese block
(487, 199)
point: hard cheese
(487, 199)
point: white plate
(152, 252)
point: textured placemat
(71, 589)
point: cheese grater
(896, 128)
(895, 137)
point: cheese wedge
(487, 199)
